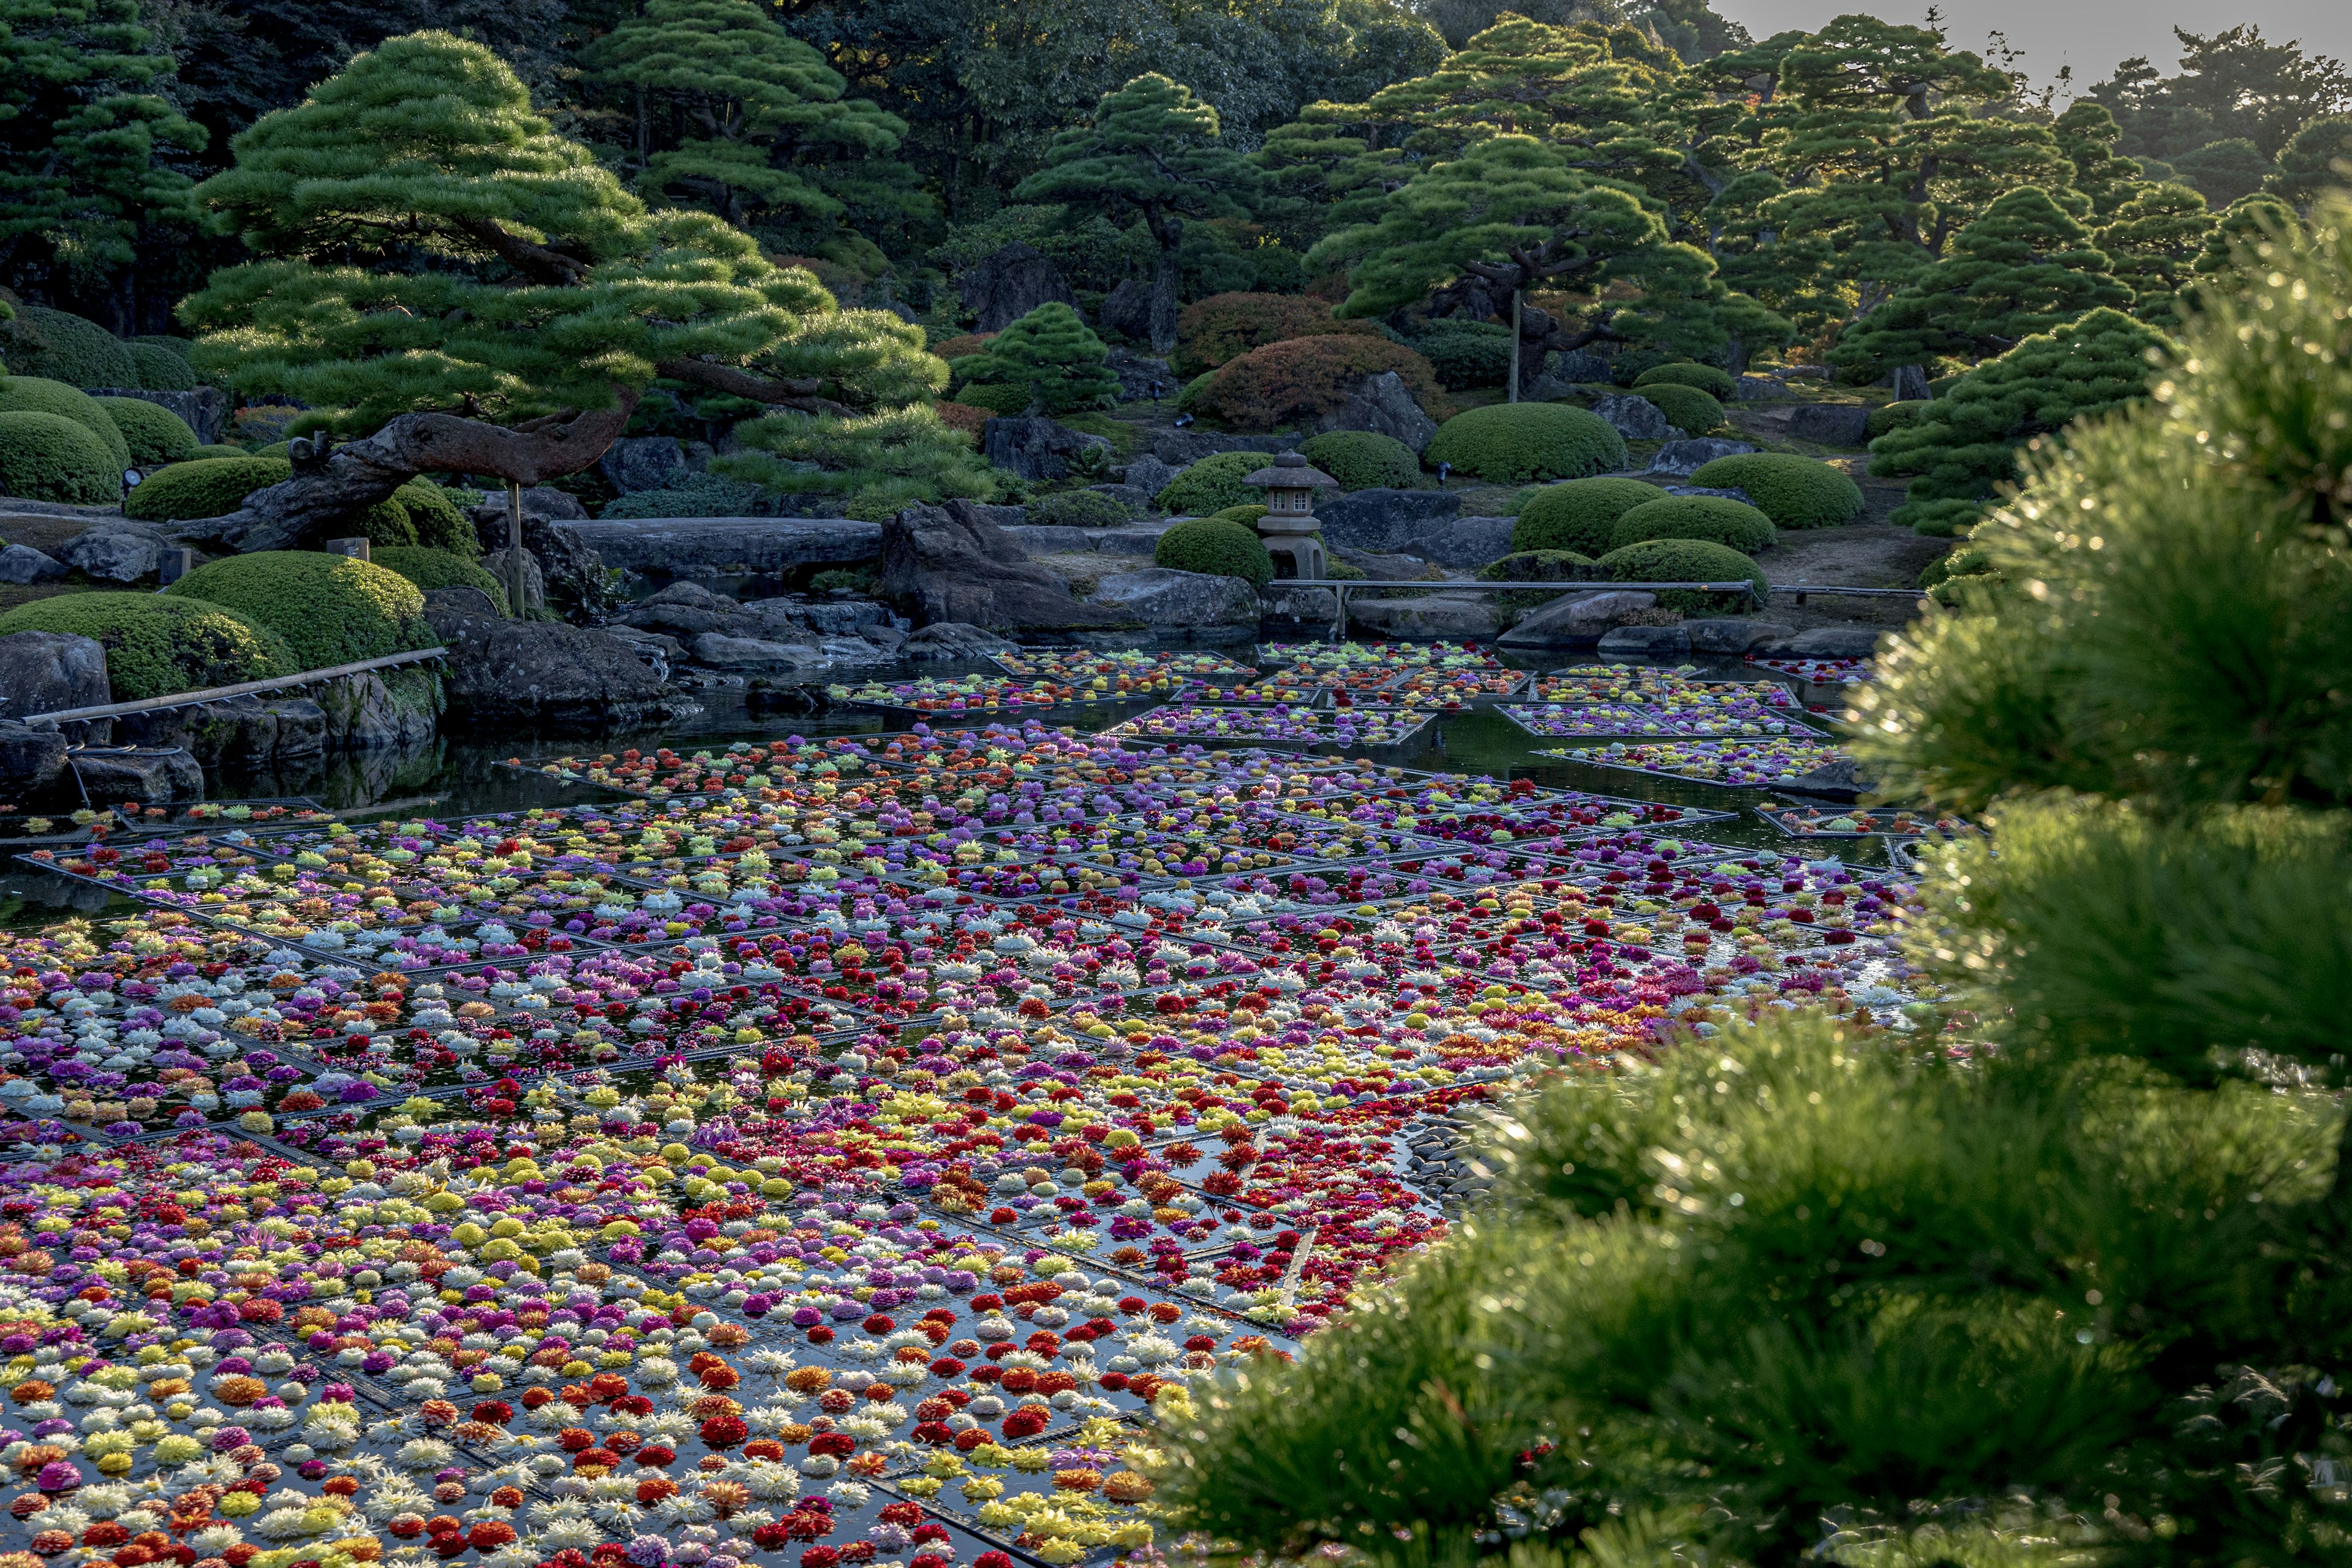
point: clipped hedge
(1716, 519)
(46, 457)
(1364, 460)
(1223, 327)
(329, 609)
(696, 495)
(437, 521)
(430, 569)
(1686, 409)
(1216, 546)
(39, 394)
(1515, 442)
(1078, 509)
(1537, 566)
(1246, 514)
(1794, 492)
(1684, 561)
(156, 645)
(1282, 383)
(219, 450)
(1581, 515)
(1465, 355)
(1715, 384)
(161, 370)
(205, 487)
(1632, 364)
(1213, 484)
(154, 434)
(65, 347)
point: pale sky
(2089, 37)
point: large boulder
(1733, 634)
(1682, 458)
(1036, 448)
(153, 777)
(684, 610)
(1178, 449)
(1827, 642)
(1383, 405)
(1147, 472)
(951, 564)
(1635, 418)
(464, 601)
(363, 713)
(1755, 388)
(1557, 375)
(1139, 374)
(1645, 642)
(953, 640)
(1381, 519)
(637, 463)
(723, 652)
(569, 566)
(1007, 284)
(1185, 606)
(1133, 539)
(30, 759)
(540, 674)
(1460, 540)
(1830, 423)
(21, 563)
(1126, 310)
(500, 565)
(48, 672)
(1449, 617)
(1578, 620)
(115, 550)
(205, 409)
(245, 733)
(769, 544)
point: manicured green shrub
(430, 569)
(64, 347)
(696, 495)
(1511, 442)
(1223, 327)
(1716, 519)
(1215, 546)
(157, 645)
(1794, 492)
(1049, 356)
(46, 457)
(1686, 409)
(1364, 460)
(1715, 384)
(1899, 415)
(219, 449)
(1246, 514)
(1633, 364)
(274, 449)
(384, 525)
(1282, 383)
(438, 522)
(329, 609)
(161, 370)
(39, 394)
(1684, 561)
(1465, 354)
(1213, 484)
(999, 397)
(1193, 398)
(1960, 561)
(154, 434)
(205, 487)
(1078, 509)
(1538, 566)
(1580, 516)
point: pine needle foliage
(1051, 359)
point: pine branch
(796, 393)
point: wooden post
(514, 549)
(177, 561)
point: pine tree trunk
(515, 579)
(1909, 381)
(1163, 304)
(1514, 346)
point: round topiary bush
(39, 394)
(161, 370)
(1581, 515)
(205, 487)
(1632, 364)
(439, 522)
(1900, 416)
(1050, 356)
(996, 397)
(1465, 354)
(1716, 519)
(1078, 509)
(430, 569)
(1684, 561)
(329, 609)
(1514, 442)
(65, 347)
(1217, 547)
(1794, 492)
(217, 449)
(1212, 484)
(1686, 409)
(46, 457)
(156, 645)
(1246, 514)
(1715, 384)
(1537, 566)
(1364, 460)
(154, 434)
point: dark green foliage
(38, 395)
(1685, 561)
(2314, 161)
(1900, 416)
(873, 465)
(1794, 492)
(221, 449)
(1464, 354)
(2238, 236)
(1631, 365)
(160, 369)
(1212, 484)
(154, 434)
(1225, 326)
(430, 569)
(1965, 443)
(1715, 519)
(205, 487)
(1364, 459)
(1217, 546)
(67, 348)
(2233, 84)
(1580, 516)
(46, 457)
(1687, 408)
(2225, 171)
(1717, 383)
(1078, 509)
(1514, 442)
(438, 521)
(1050, 357)
(1247, 514)
(330, 609)
(157, 645)
(1961, 561)
(384, 525)
(2153, 239)
(1538, 566)
(856, 581)
(696, 495)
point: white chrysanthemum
(554, 1416)
(766, 1478)
(767, 1418)
(681, 1508)
(571, 1531)
(771, 1362)
(655, 1371)
(215, 1539)
(284, 1524)
(670, 1425)
(423, 1453)
(617, 1514)
(850, 1494)
(612, 1488)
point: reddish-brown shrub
(964, 343)
(962, 416)
(1268, 388)
(1223, 327)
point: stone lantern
(1289, 526)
